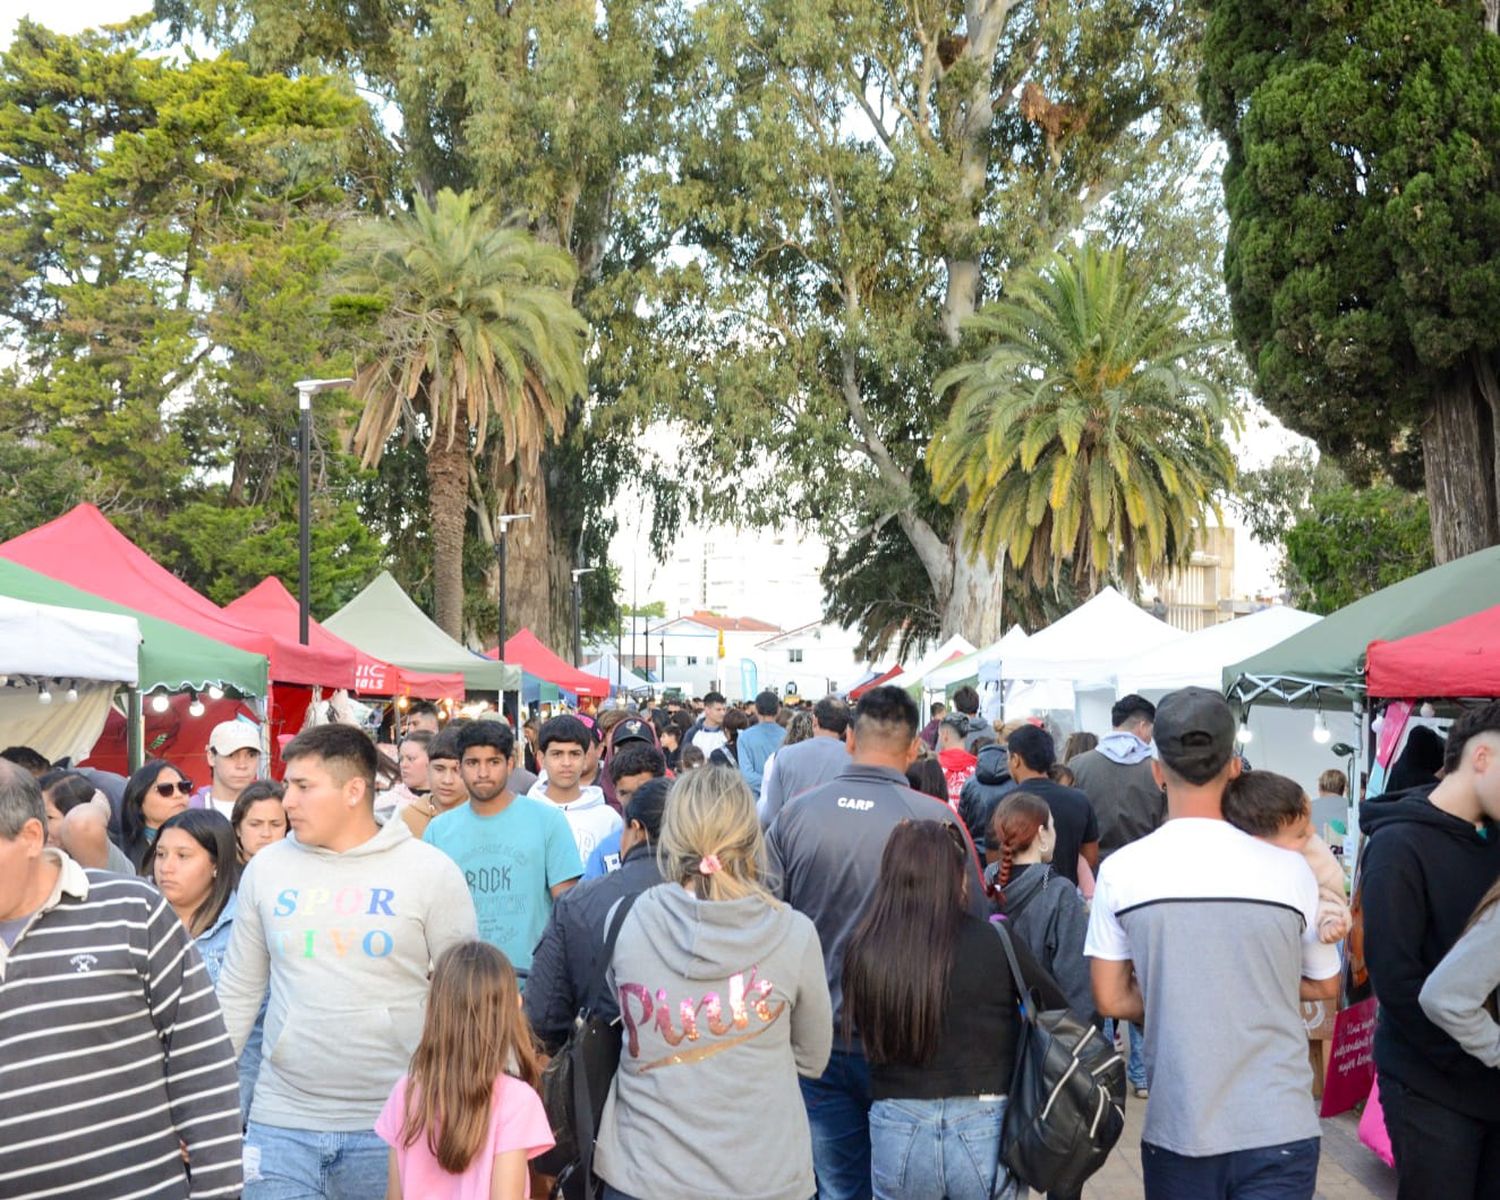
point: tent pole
(135, 729)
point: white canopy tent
(49, 654)
(978, 663)
(1083, 647)
(607, 666)
(1198, 659)
(955, 647)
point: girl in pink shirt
(465, 1120)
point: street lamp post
(578, 574)
(500, 555)
(306, 390)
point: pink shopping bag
(1372, 1131)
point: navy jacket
(565, 970)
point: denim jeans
(303, 1164)
(1439, 1152)
(939, 1149)
(1286, 1172)
(1135, 1062)
(838, 1110)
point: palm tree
(476, 329)
(1079, 440)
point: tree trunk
(1458, 454)
(448, 501)
(528, 599)
(974, 605)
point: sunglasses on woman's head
(183, 787)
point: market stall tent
(168, 656)
(268, 606)
(952, 650)
(1198, 659)
(83, 549)
(1455, 661)
(621, 679)
(62, 667)
(1327, 662)
(526, 651)
(385, 622)
(1082, 647)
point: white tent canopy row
(955, 648)
(62, 667)
(621, 678)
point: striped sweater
(113, 1054)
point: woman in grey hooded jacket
(1043, 909)
(724, 1002)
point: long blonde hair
(710, 820)
(473, 1033)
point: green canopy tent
(171, 657)
(383, 621)
(1325, 664)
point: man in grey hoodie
(343, 918)
(1116, 777)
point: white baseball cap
(229, 736)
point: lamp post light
(500, 555)
(306, 390)
(578, 574)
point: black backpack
(1066, 1108)
(576, 1082)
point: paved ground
(1346, 1170)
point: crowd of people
(346, 984)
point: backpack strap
(1023, 989)
(614, 921)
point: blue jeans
(939, 1149)
(303, 1164)
(838, 1110)
(1285, 1172)
(1135, 1062)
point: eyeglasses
(183, 787)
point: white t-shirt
(1221, 928)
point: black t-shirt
(1073, 818)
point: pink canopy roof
(1458, 660)
(526, 651)
(82, 548)
(269, 607)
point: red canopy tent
(526, 651)
(82, 548)
(269, 607)
(883, 678)
(1461, 659)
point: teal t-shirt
(510, 861)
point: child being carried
(1276, 810)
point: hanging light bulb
(71, 695)
(1427, 710)
(216, 692)
(1321, 735)
(44, 696)
(195, 709)
(402, 703)
(160, 702)
(1244, 737)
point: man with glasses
(234, 757)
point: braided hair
(1017, 822)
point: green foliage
(165, 228)
(1078, 441)
(1271, 499)
(1353, 542)
(1363, 260)
(656, 609)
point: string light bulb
(1244, 737)
(216, 692)
(1427, 710)
(195, 709)
(43, 696)
(160, 702)
(71, 696)
(1321, 735)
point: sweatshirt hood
(710, 939)
(591, 797)
(1124, 748)
(1416, 807)
(1026, 880)
(994, 765)
(956, 758)
(390, 834)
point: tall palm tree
(1079, 440)
(476, 329)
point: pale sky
(71, 16)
